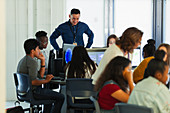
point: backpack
(16, 109)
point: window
(167, 25)
(134, 13)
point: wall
(92, 13)
(23, 19)
(2, 56)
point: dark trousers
(47, 94)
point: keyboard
(58, 78)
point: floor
(10, 104)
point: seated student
(111, 40)
(152, 92)
(28, 65)
(130, 40)
(149, 49)
(80, 66)
(42, 38)
(138, 73)
(114, 82)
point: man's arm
(37, 82)
(54, 36)
(42, 67)
(90, 35)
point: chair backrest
(24, 90)
(23, 87)
(96, 104)
(79, 87)
(131, 108)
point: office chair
(131, 108)
(79, 87)
(96, 104)
(24, 93)
(97, 107)
(122, 108)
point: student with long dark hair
(130, 39)
(80, 66)
(152, 92)
(113, 83)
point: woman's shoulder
(110, 87)
(111, 83)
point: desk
(62, 90)
(61, 82)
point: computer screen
(50, 62)
(96, 54)
(55, 65)
(67, 52)
(136, 57)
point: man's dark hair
(30, 44)
(40, 34)
(75, 11)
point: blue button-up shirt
(68, 33)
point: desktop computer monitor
(136, 57)
(67, 52)
(55, 66)
(96, 54)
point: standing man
(72, 31)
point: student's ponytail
(156, 64)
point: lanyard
(74, 34)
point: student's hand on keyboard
(49, 77)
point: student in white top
(152, 91)
(130, 39)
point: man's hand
(41, 57)
(49, 77)
(37, 82)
